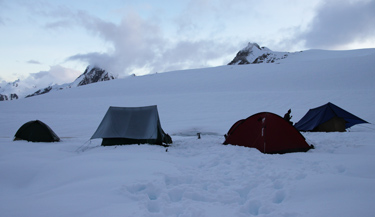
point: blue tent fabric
(316, 116)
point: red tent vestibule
(267, 132)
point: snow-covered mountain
(92, 74)
(15, 90)
(9, 90)
(253, 54)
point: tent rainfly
(327, 118)
(36, 131)
(131, 125)
(267, 132)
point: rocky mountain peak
(253, 54)
(250, 46)
(92, 75)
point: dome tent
(131, 125)
(327, 118)
(36, 131)
(267, 132)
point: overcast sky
(54, 41)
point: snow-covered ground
(197, 177)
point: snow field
(197, 177)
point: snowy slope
(197, 177)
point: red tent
(267, 132)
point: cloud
(57, 74)
(33, 62)
(135, 41)
(338, 23)
(140, 43)
(136, 44)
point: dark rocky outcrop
(254, 54)
(40, 92)
(93, 75)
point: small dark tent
(36, 131)
(327, 118)
(267, 132)
(131, 125)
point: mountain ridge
(251, 54)
(92, 74)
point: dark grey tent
(327, 118)
(131, 125)
(36, 131)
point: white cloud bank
(55, 73)
(141, 43)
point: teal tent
(131, 125)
